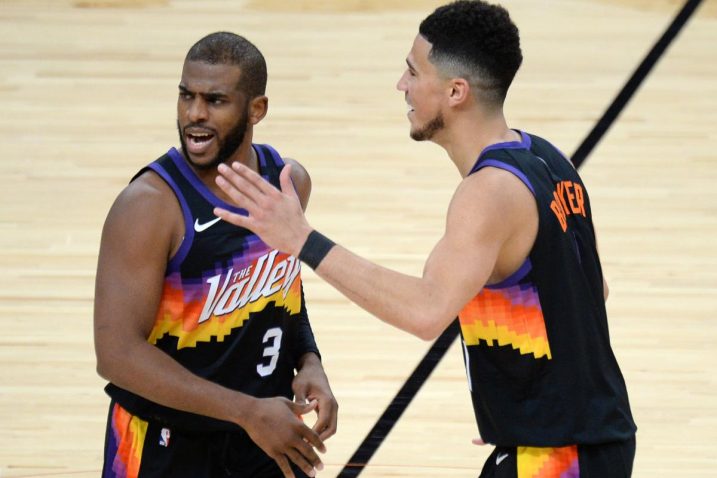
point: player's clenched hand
(311, 384)
(274, 424)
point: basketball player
(199, 325)
(517, 264)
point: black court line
(425, 367)
(621, 100)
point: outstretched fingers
(250, 175)
(275, 216)
(242, 192)
(234, 218)
(287, 186)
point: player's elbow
(427, 334)
(105, 364)
(108, 356)
(101, 369)
(430, 326)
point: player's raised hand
(274, 215)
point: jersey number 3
(272, 338)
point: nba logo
(164, 437)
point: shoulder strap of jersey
(190, 200)
(502, 160)
(270, 163)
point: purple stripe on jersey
(278, 160)
(275, 156)
(260, 156)
(573, 471)
(515, 277)
(178, 258)
(194, 180)
(524, 143)
(111, 446)
(507, 167)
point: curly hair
(231, 49)
(477, 41)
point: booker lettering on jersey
(517, 264)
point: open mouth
(198, 141)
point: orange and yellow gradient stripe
(126, 443)
(548, 462)
(510, 316)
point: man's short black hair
(225, 48)
(476, 41)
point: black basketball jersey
(232, 309)
(538, 357)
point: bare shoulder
(491, 191)
(147, 207)
(491, 205)
(143, 196)
(301, 179)
(140, 234)
(494, 208)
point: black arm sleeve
(304, 341)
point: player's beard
(227, 144)
(427, 131)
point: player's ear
(459, 91)
(258, 107)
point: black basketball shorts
(135, 448)
(608, 460)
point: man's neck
(468, 138)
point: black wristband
(315, 249)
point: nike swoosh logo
(500, 458)
(203, 227)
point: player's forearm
(406, 302)
(147, 371)
(303, 338)
(309, 359)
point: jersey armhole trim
(515, 277)
(178, 258)
(278, 161)
(506, 167)
(527, 266)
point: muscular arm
(301, 180)
(137, 241)
(486, 223)
(136, 245)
